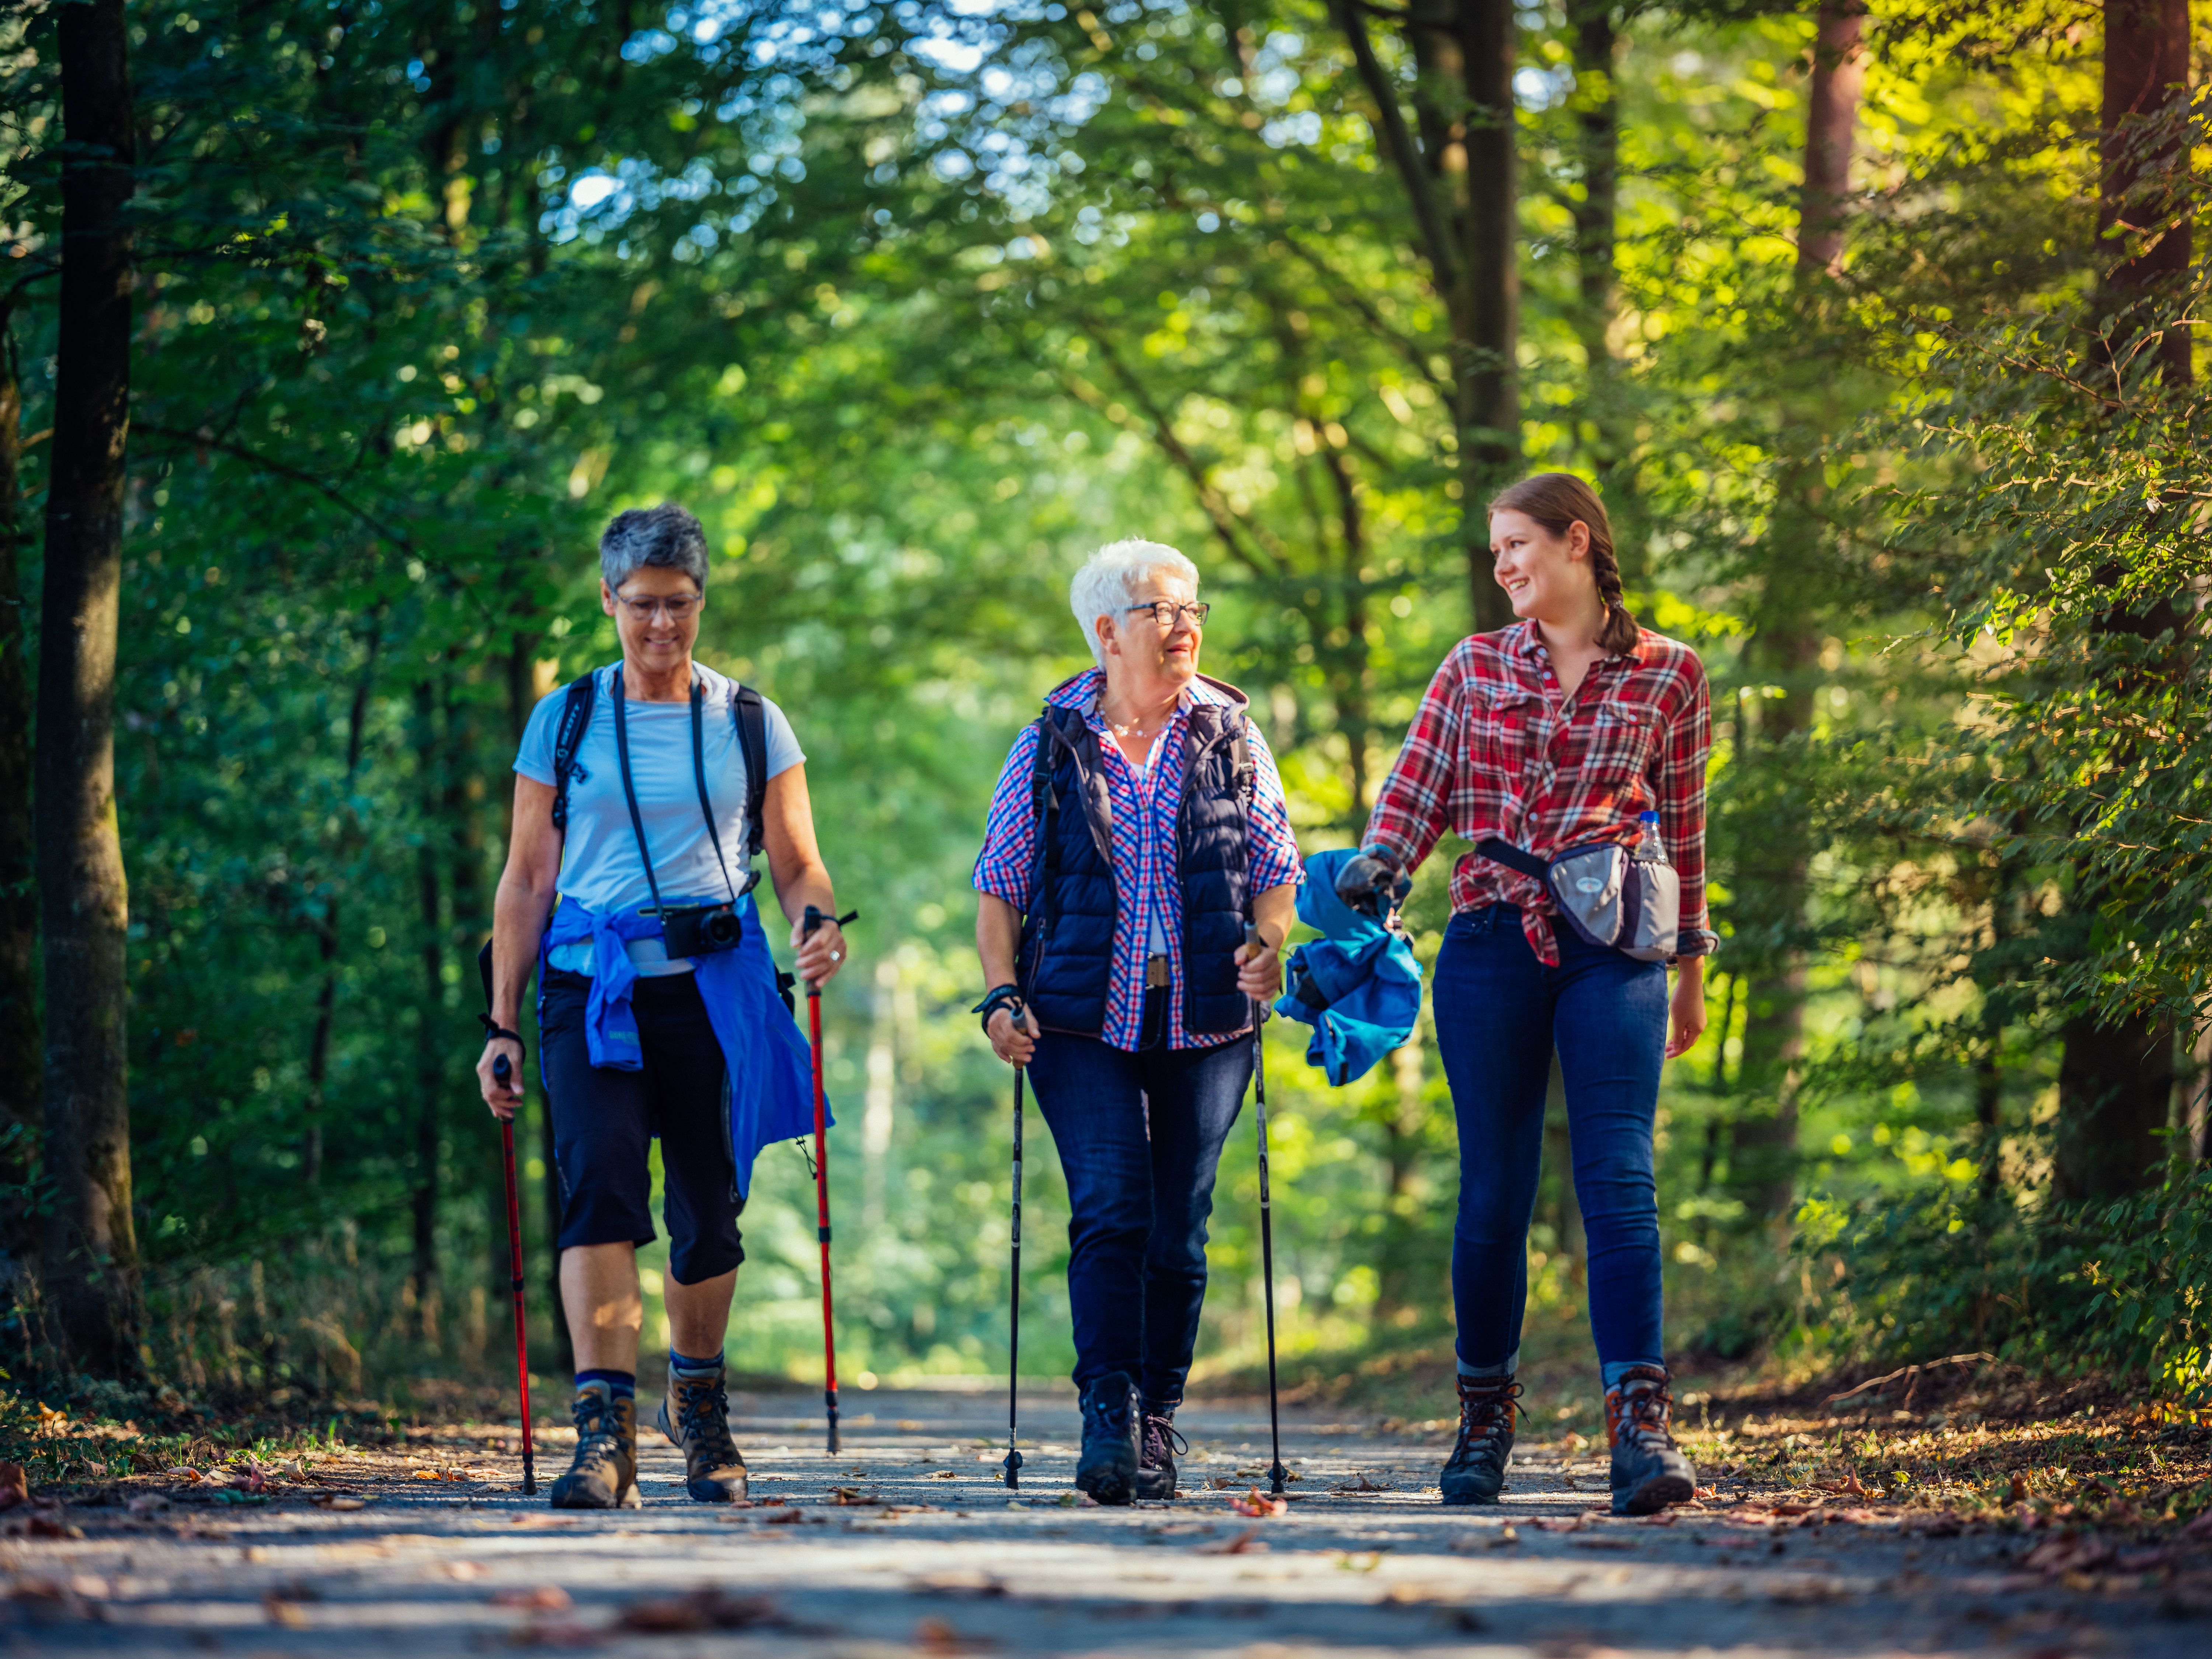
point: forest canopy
(1878, 328)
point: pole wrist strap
(493, 1030)
(1008, 997)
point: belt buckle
(1156, 973)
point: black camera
(700, 930)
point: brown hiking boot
(695, 1415)
(1158, 1443)
(1475, 1472)
(1648, 1473)
(603, 1474)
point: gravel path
(908, 1543)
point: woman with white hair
(1138, 831)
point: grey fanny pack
(1628, 901)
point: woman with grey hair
(1138, 831)
(643, 793)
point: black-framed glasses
(1164, 613)
(680, 608)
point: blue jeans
(1499, 1012)
(1138, 1137)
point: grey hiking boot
(1157, 1447)
(695, 1415)
(1108, 1468)
(604, 1473)
(1475, 1472)
(1648, 1473)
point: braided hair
(1557, 500)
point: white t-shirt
(599, 863)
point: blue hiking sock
(1611, 1373)
(1512, 1363)
(621, 1385)
(684, 1365)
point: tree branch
(1348, 295)
(204, 440)
(1398, 140)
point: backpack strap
(1044, 807)
(751, 716)
(568, 737)
(1515, 858)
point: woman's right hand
(502, 1097)
(1014, 1043)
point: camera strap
(699, 775)
(630, 794)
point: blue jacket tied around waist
(1358, 987)
(770, 1071)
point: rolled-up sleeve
(1412, 808)
(1682, 807)
(1271, 845)
(1004, 867)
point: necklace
(1135, 728)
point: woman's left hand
(1259, 972)
(1686, 1011)
(821, 953)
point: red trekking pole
(814, 919)
(502, 1070)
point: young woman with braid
(1561, 731)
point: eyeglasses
(679, 609)
(1164, 613)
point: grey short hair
(665, 535)
(1109, 579)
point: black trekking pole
(1013, 1463)
(502, 1070)
(814, 919)
(1277, 1475)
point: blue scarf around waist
(771, 1071)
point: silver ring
(837, 956)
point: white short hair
(1111, 577)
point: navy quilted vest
(1067, 937)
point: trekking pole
(502, 1070)
(1277, 1475)
(1013, 1462)
(814, 919)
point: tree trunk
(2144, 167)
(429, 1074)
(91, 1248)
(1597, 118)
(19, 894)
(2115, 1082)
(1831, 118)
(1460, 178)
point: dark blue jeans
(1138, 1137)
(1499, 1012)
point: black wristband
(1000, 996)
(493, 1030)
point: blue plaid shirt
(1146, 887)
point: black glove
(1372, 883)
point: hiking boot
(1475, 1471)
(1107, 1468)
(695, 1415)
(1648, 1473)
(603, 1474)
(1157, 1447)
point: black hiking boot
(1107, 1468)
(603, 1474)
(1157, 1447)
(695, 1415)
(1648, 1473)
(1475, 1471)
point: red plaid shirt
(1495, 750)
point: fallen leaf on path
(849, 1498)
(152, 1503)
(1259, 1505)
(957, 1581)
(15, 1486)
(532, 1519)
(1468, 1542)
(934, 1635)
(942, 1475)
(2061, 1555)
(703, 1609)
(345, 1505)
(2017, 1492)
(464, 1570)
(1554, 1523)
(1359, 1482)
(1246, 1542)
(543, 1598)
(1849, 1485)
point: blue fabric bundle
(770, 1069)
(1358, 986)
